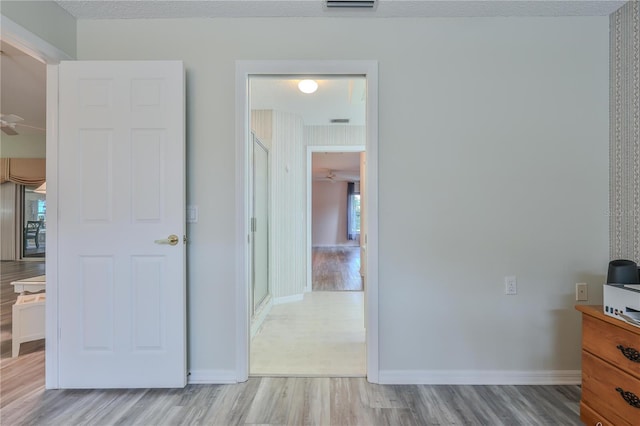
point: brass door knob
(172, 240)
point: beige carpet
(322, 335)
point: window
(353, 211)
(34, 235)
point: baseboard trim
(288, 299)
(212, 377)
(480, 377)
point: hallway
(321, 336)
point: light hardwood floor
(321, 336)
(24, 374)
(302, 401)
(336, 268)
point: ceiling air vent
(340, 120)
(353, 4)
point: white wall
(493, 161)
(335, 135)
(283, 135)
(22, 146)
(287, 237)
(329, 214)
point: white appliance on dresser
(622, 301)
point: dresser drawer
(591, 418)
(608, 342)
(599, 383)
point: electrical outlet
(582, 292)
(510, 285)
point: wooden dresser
(610, 370)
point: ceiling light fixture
(308, 86)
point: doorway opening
(34, 222)
(244, 71)
(23, 224)
(42, 51)
(295, 331)
(336, 218)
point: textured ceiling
(138, 9)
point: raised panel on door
(96, 290)
(147, 180)
(148, 293)
(95, 174)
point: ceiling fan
(8, 123)
(338, 175)
(328, 176)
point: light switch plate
(510, 285)
(192, 214)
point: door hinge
(254, 224)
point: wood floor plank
(311, 402)
(433, 407)
(349, 404)
(494, 403)
(336, 269)
(196, 402)
(394, 416)
(232, 404)
(546, 404)
(273, 401)
(380, 396)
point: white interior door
(121, 189)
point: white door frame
(244, 69)
(310, 151)
(40, 49)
